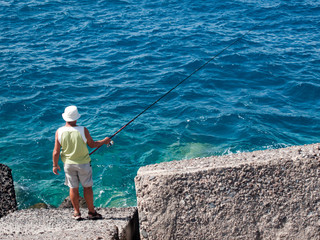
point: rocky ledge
(117, 224)
(272, 194)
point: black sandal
(94, 216)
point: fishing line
(182, 81)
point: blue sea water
(114, 58)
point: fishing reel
(110, 143)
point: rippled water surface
(114, 58)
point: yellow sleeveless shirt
(73, 143)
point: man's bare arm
(95, 144)
(55, 155)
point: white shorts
(78, 173)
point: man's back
(74, 145)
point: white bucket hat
(71, 114)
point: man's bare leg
(88, 196)
(74, 197)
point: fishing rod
(182, 81)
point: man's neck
(71, 124)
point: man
(73, 140)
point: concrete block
(8, 201)
(272, 194)
(27, 224)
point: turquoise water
(114, 58)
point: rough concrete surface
(118, 224)
(272, 194)
(8, 201)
